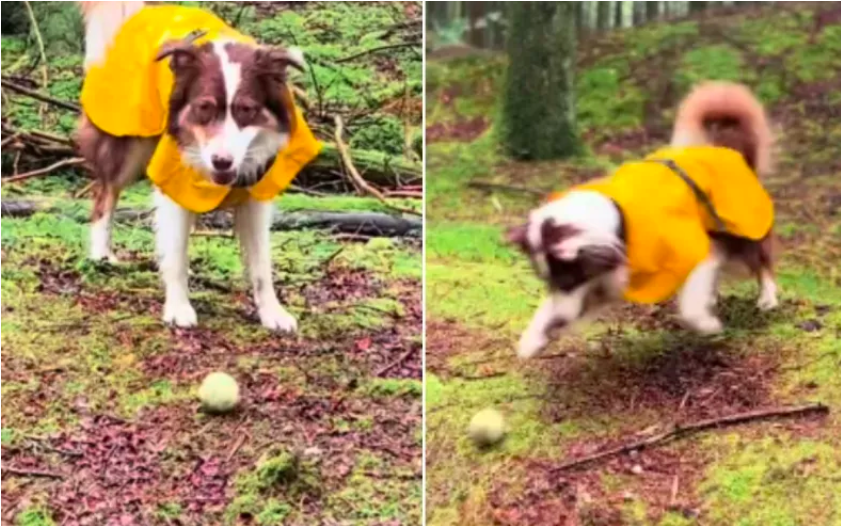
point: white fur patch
(103, 21)
(698, 293)
(101, 239)
(252, 222)
(172, 227)
(250, 147)
(296, 55)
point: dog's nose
(222, 162)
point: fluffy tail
(726, 114)
(102, 21)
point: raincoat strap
(702, 197)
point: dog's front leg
(253, 221)
(698, 295)
(557, 310)
(173, 224)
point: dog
(207, 113)
(663, 226)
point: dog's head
(572, 240)
(230, 110)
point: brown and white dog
(228, 126)
(578, 245)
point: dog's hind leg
(253, 221)
(558, 310)
(765, 274)
(116, 163)
(698, 293)
(172, 225)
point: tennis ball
(487, 427)
(219, 393)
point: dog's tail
(102, 22)
(726, 114)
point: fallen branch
(32, 473)
(508, 188)
(375, 224)
(379, 168)
(40, 96)
(679, 431)
(413, 43)
(395, 363)
(74, 161)
(360, 183)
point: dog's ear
(275, 61)
(518, 236)
(182, 51)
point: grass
(623, 375)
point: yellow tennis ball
(487, 427)
(219, 393)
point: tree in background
(538, 110)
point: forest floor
(101, 423)
(634, 372)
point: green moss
(717, 62)
(606, 100)
(482, 294)
(34, 516)
(469, 242)
(389, 387)
(774, 482)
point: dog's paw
(706, 325)
(276, 318)
(767, 302)
(531, 344)
(180, 314)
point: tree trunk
(603, 20)
(538, 111)
(617, 15)
(475, 14)
(697, 7)
(652, 10)
(639, 14)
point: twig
(84, 191)
(679, 431)
(238, 444)
(357, 179)
(32, 473)
(40, 40)
(43, 171)
(508, 188)
(7, 140)
(413, 43)
(40, 96)
(395, 363)
(675, 487)
(410, 194)
(331, 257)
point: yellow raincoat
(667, 224)
(128, 93)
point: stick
(40, 40)
(357, 179)
(413, 43)
(32, 473)
(87, 188)
(43, 171)
(393, 364)
(40, 96)
(238, 444)
(494, 186)
(7, 140)
(678, 431)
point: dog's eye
(245, 113)
(204, 111)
